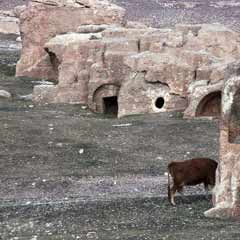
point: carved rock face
(86, 47)
(142, 64)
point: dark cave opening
(111, 105)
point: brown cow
(189, 173)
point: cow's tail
(169, 185)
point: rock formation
(44, 19)
(98, 59)
(227, 191)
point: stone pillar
(227, 190)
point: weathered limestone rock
(138, 96)
(204, 99)
(93, 55)
(9, 23)
(5, 94)
(43, 20)
(227, 190)
(215, 39)
(98, 64)
(205, 95)
(188, 28)
(75, 52)
(164, 68)
(92, 28)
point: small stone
(92, 28)
(81, 151)
(48, 225)
(92, 235)
(19, 39)
(5, 94)
(59, 144)
(123, 125)
(84, 107)
(31, 106)
(25, 97)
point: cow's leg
(206, 187)
(172, 194)
(211, 181)
(180, 189)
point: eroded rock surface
(130, 70)
(98, 59)
(43, 20)
(227, 191)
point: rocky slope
(166, 13)
(10, 4)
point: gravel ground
(124, 219)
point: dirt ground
(125, 219)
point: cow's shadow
(192, 199)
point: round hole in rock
(159, 103)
